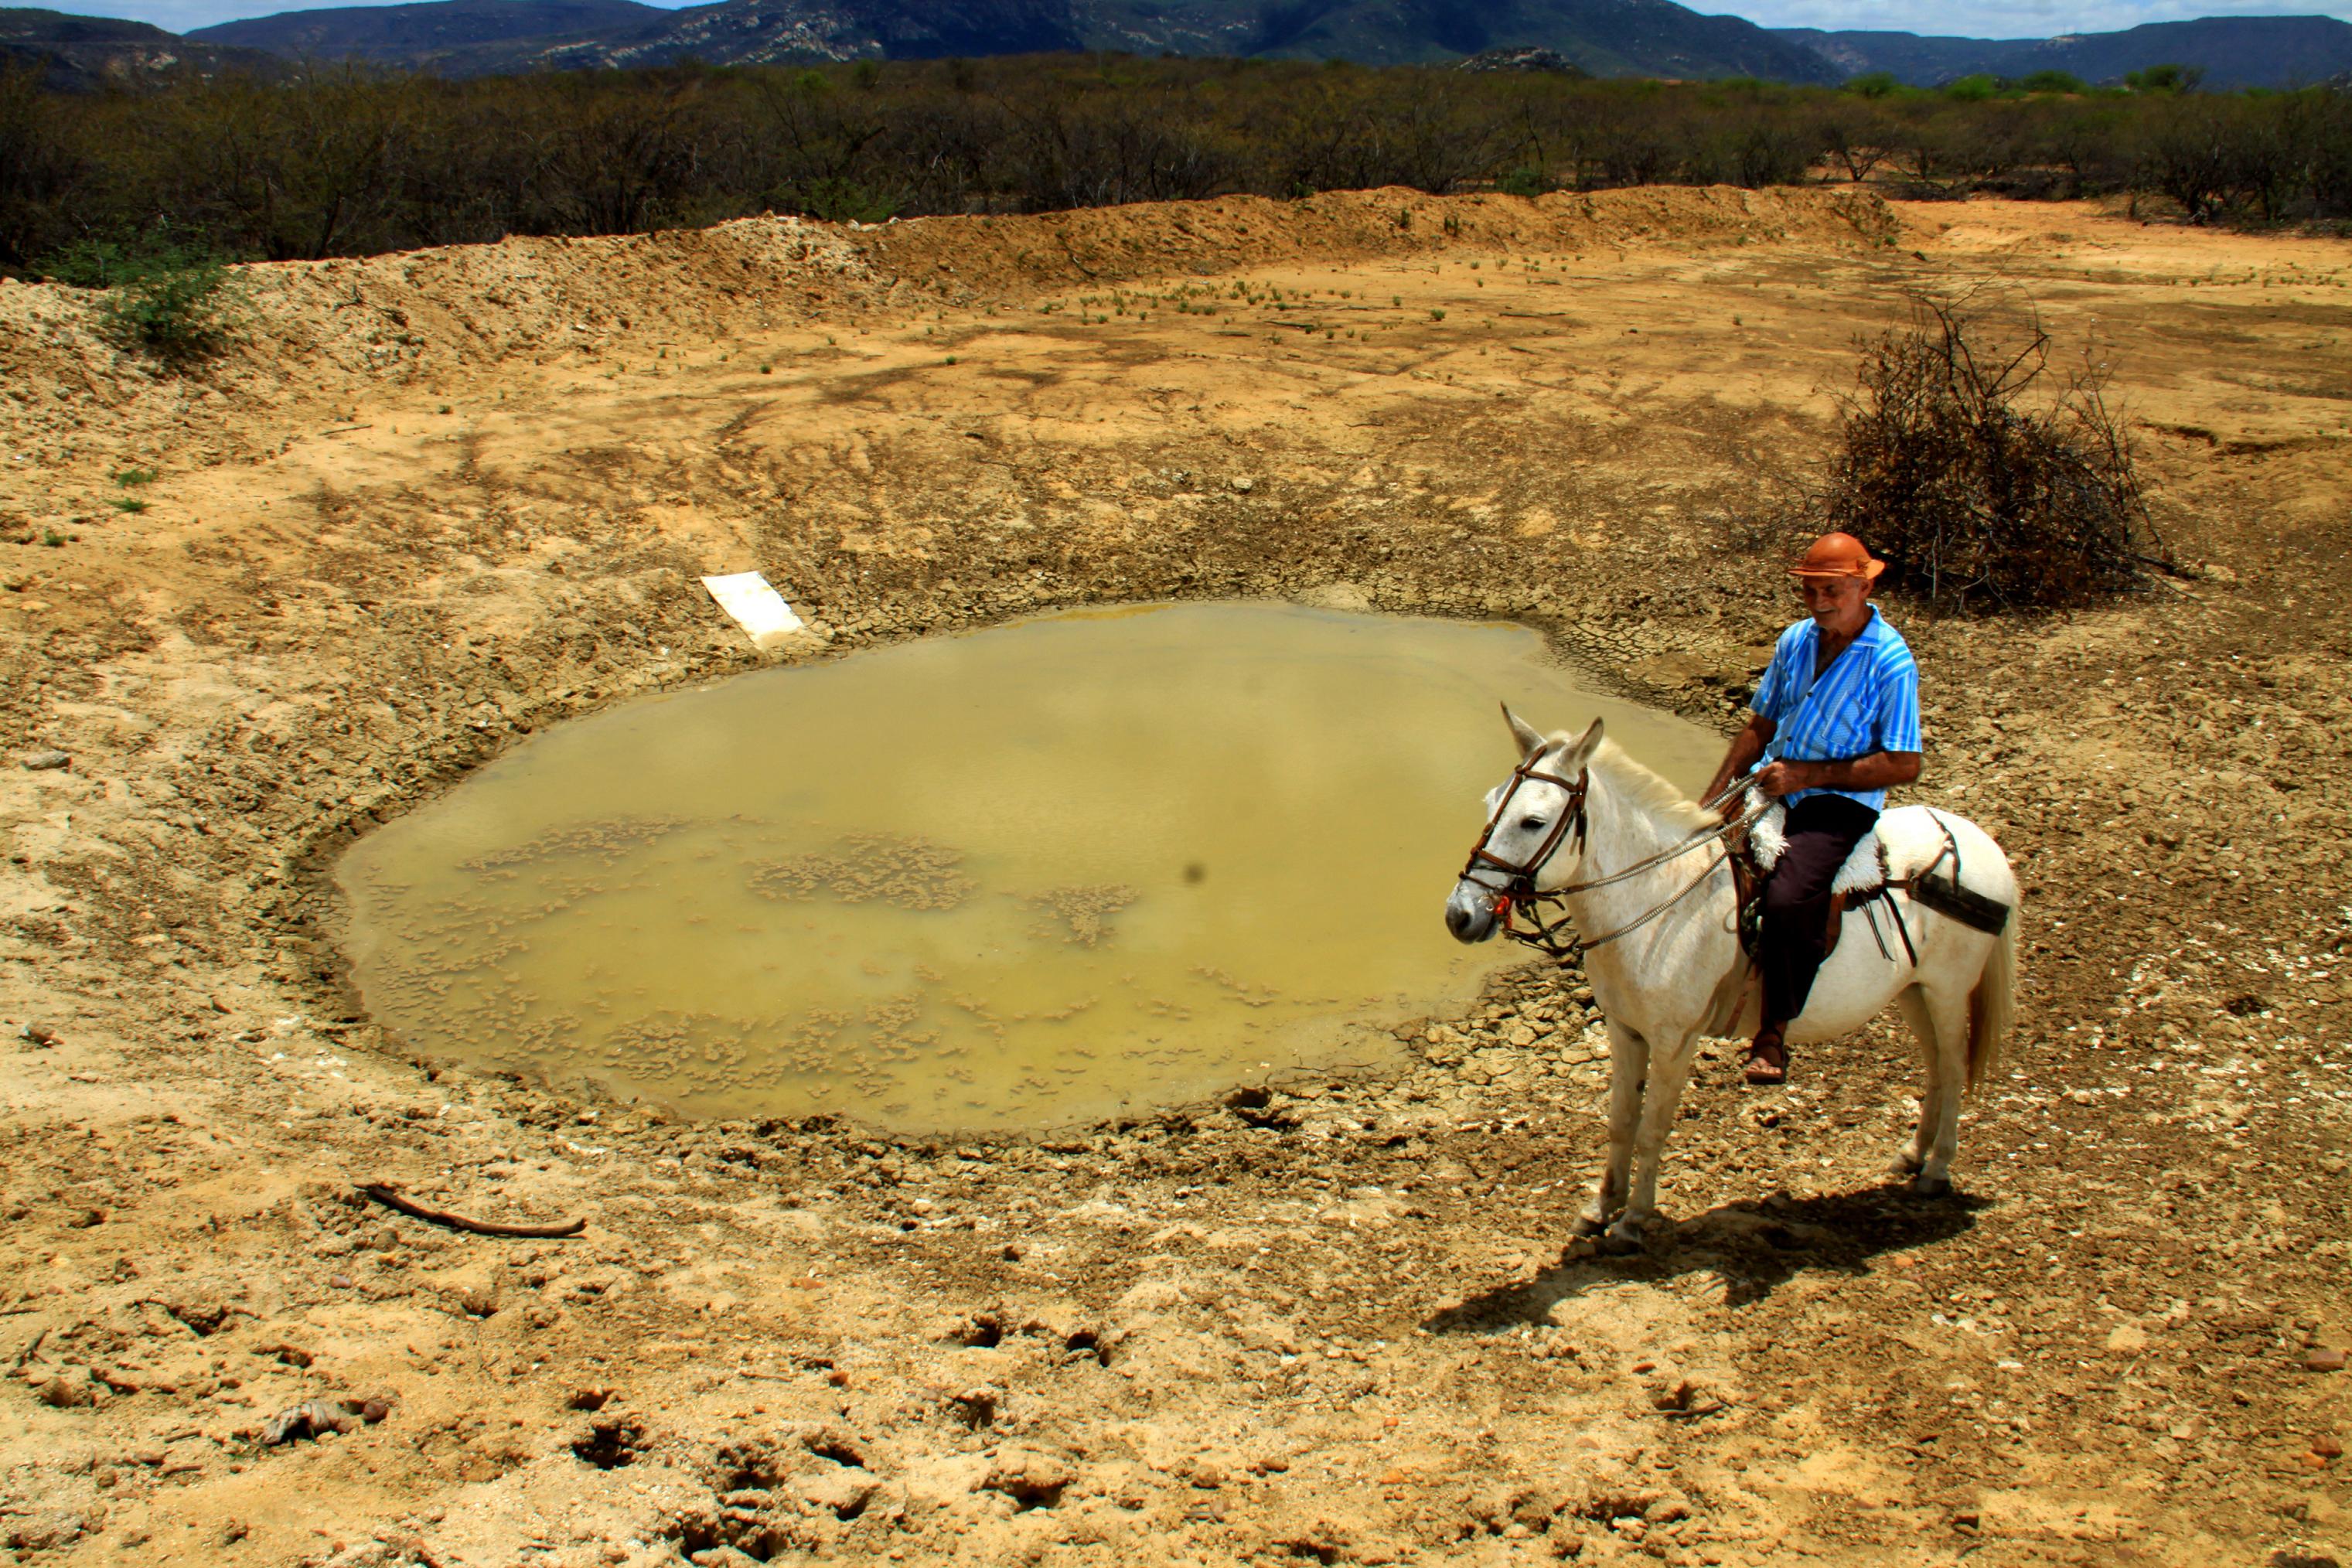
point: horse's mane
(1645, 791)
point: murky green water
(1041, 872)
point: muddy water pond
(1052, 870)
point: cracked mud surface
(438, 500)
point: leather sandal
(1768, 1060)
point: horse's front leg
(1629, 1065)
(1670, 1066)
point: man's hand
(1880, 769)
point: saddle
(1862, 882)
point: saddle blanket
(1902, 843)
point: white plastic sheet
(757, 608)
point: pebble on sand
(40, 761)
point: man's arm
(1746, 747)
(1880, 769)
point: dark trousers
(1822, 830)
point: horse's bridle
(1518, 888)
(1519, 892)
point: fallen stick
(389, 1196)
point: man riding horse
(1835, 722)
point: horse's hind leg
(1629, 1064)
(1941, 1026)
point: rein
(1519, 890)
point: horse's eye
(1532, 824)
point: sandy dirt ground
(432, 502)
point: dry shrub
(1974, 497)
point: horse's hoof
(1903, 1166)
(1587, 1226)
(1622, 1238)
(1931, 1186)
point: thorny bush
(1977, 498)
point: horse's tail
(1993, 1006)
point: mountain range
(82, 54)
(2231, 51)
(1602, 38)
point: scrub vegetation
(1980, 494)
(343, 161)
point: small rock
(66, 1394)
(720, 1557)
(43, 762)
(2324, 1360)
(37, 1036)
(2328, 1447)
(44, 1531)
(843, 1491)
(480, 1302)
(1029, 1478)
(313, 1418)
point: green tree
(2054, 81)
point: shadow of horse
(1754, 1245)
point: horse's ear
(1529, 739)
(1581, 750)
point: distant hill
(1602, 38)
(404, 35)
(473, 38)
(763, 32)
(2232, 51)
(82, 54)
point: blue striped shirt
(1867, 701)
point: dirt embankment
(429, 320)
(1330, 1317)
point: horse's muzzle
(1470, 913)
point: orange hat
(1838, 556)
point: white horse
(1681, 973)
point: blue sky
(1982, 19)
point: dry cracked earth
(431, 502)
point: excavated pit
(1076, 866)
